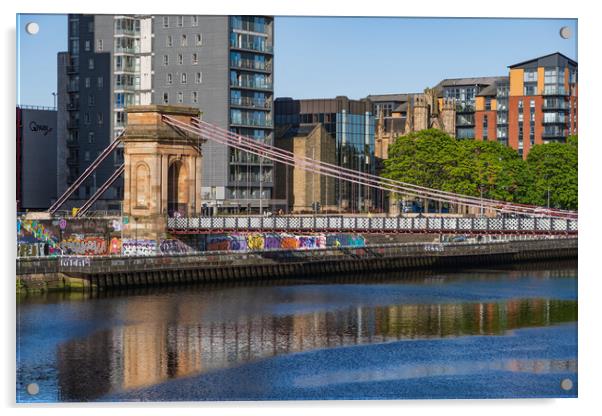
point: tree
(434, 159)
(553, 169)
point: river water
(494, 333)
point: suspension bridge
(192, 131)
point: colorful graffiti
(142, 247)
(173, 246)
(80, 245)
(270, 241)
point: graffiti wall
(97, 237)
(271, 241)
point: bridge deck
(330, 224)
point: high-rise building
(220, 64)
(350, 124)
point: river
(490, 333)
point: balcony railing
(251, 103)
(553, 90)
(72, 69)
(556, 105)
(252, 122)
(73, 87)
(127, 50)
(256, 66)
(250, 46)
(252, 85)
(555, 133)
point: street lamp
(54, 96)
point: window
(183, 79)
(520, 117)
(530, 89)
(180, 59)
(99, 118)
(180, 21)
(168, 41)
(165, 98)
(199, 39)
(91, 137)
(198, 78)
(99, 45)
(184, 41)
(488, 103)
(169, 79)
(520, 105)
(532, 103)
(91, 100)
(87, 46)
(86, 118)
(530, 75)
(87, 159)
(87, 82)
(195, 97)
(165, 21)
(180, 97)
(194, 20)
(90, 27)
(91, 63)
(165, 60)
(100, 82)
(195, 59)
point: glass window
(180, 21)
(165, 60)
(183, 79)
(195, 59)
(169, 79)
(194, 20)
(91, 63)
(184, 41)
(530, 75)
(195, 97)
(165, 21)
(199, 39)
(198, 78)
(180, 97)
(99, 45)
(87, 82)
(180, 59)
(168, 41)
(165, 98)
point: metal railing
(539, 225)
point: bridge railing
(118, 264)
(375, 224)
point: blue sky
(326, 56)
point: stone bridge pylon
(162, 173)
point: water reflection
(178, 337)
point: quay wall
(73, 273)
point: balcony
(555, 133)
(252, 65)
(266, 86)
(72, 161)
(73, 106)
(556, 105)
(73, 124)
(132, 50)
(73, 87)
(250, 46)
(555, 90)
(72, 69)
(251, 103)
(249, 122)
(556, 120)
(127, 32)
(122, 87)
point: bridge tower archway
(162, 175)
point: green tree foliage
(434, 159)
(553, 167)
